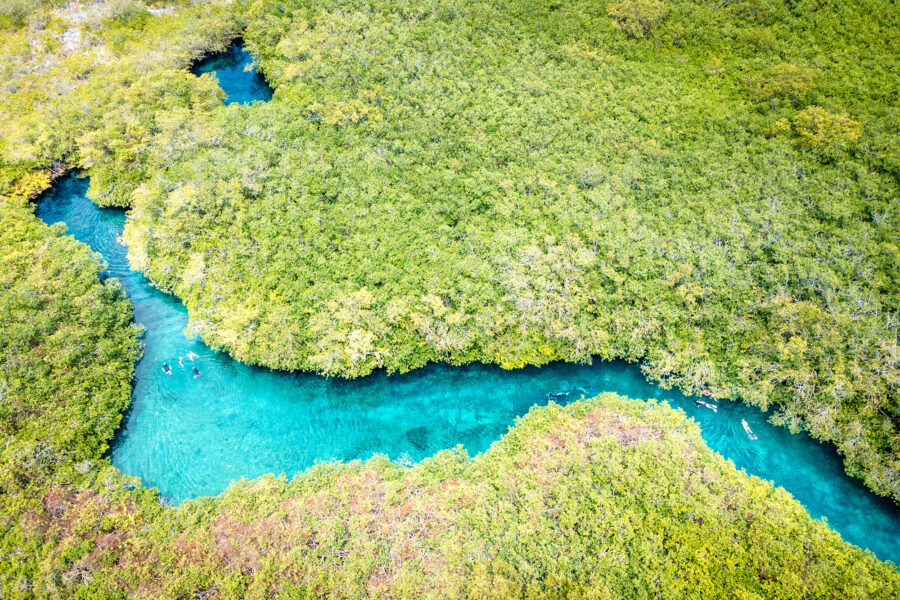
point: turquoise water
(233, 68)
(191, 436)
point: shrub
(637, 18)
(780, 127)
(825, 133)
(16, 12)
(754, 11)
(786, 82)
(759, 40)
(714, 66)
(126, 12)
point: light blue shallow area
(191, 436)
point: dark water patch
(191, 436)
(237, 77)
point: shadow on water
(192, 435)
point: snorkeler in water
(196, 372)
(749, 431)
(167, 369)
(711, 407)
(180, 363)
(191, 356)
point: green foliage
(567, 194)
(461, 181)
(787, 82)
(67, 353)
(62, 83)
(637, 18)
(15, 13)
(829, 136)
(128, 12)
(754, 11)
(161, 103)
(826, 133)
(66, 358)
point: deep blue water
(241, 84)
(191, 436)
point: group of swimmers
(168, 370)
(715, 409)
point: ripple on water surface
(191, 436)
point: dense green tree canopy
(520, 183)
(67, 351)
(606, 498)
(710, 189)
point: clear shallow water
(192, 436)
(233, 68)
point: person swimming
(749, 431)
(191, 356)
(196, 372)
(167, 369)
(180, 362)
(711, 407)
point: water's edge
(233, 69)
(191, 434)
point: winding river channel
(190, 435)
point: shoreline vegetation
(723, 213)
(429, 186)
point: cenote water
(191, 436)
(234, 68)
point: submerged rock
(418, 437)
